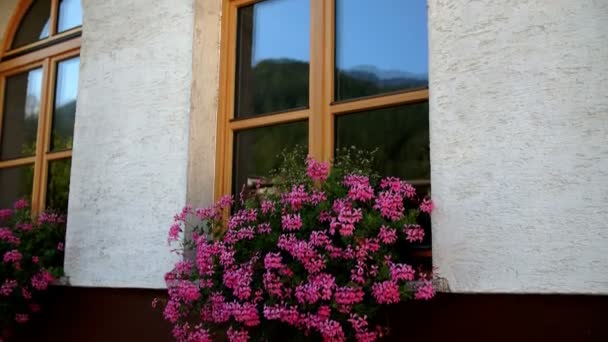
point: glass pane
(34, 25)
(58, 185)
(66, 90)
(20, 114)
(381, 46)
(256, 150)
(70, 15)
(272, 57)
(401, 135)
(15, 183)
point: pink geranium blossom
(319, 256)
(317, 171)
(426, 291)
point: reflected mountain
(274, 85)
(368, 80)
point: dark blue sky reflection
(390, 35)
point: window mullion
(39, 167)
(54, 17)
(318, 111)
(328, 78)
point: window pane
(58, 185)
(34, 25)
(20, 114)
(272, 57)
(15, 183)
(256, 150)
(70, 15)
(381, 46)
(66, 89)
(401, 135)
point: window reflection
(381, 46)
(273, 51)
(70, 15)
(20, 114)
(401, 135)
(58, 185)
(34, 25)
(256, 149)
(66, 90)
(15, 183)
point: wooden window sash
(46, 58)
(322, 108)
(15, 21)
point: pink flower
(387, 235)
(426, 206)
(390, 205)
(199, 334)
(7, 235)
(41, 280)
(347, 296)
(345, 223)
(5, 213)
(317, 171)
(26, 227)
(273, 261)
(13, 256)
(359, 188)
(426, 291)
(174, 232)
(386, 292)
(172, 312)
(296, 198)
(22, 318)
(291, 222)
(184, 290)
(34, 307)
(154, 303)
(401, 272)
(324, 312)
(264, 228)
(7, 288)
(21, 204)
(60, 247)
(398, 186)
(414, 233)
(50, 218)
(26, 294)
(246, 313)
(267, 207)
(237, 335)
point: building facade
(516, 96)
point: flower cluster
(31, 257)
(318, 259)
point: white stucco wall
(129, 169)
(519, 144)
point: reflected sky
(70, 15)
(67, 81)
(387, 34)
(281, 30)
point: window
(325, 74)
(39, 67)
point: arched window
(39, 66)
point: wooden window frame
(322, 109)
(46, 54)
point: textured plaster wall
(519, 144)
(129, 170)
(204, 106)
